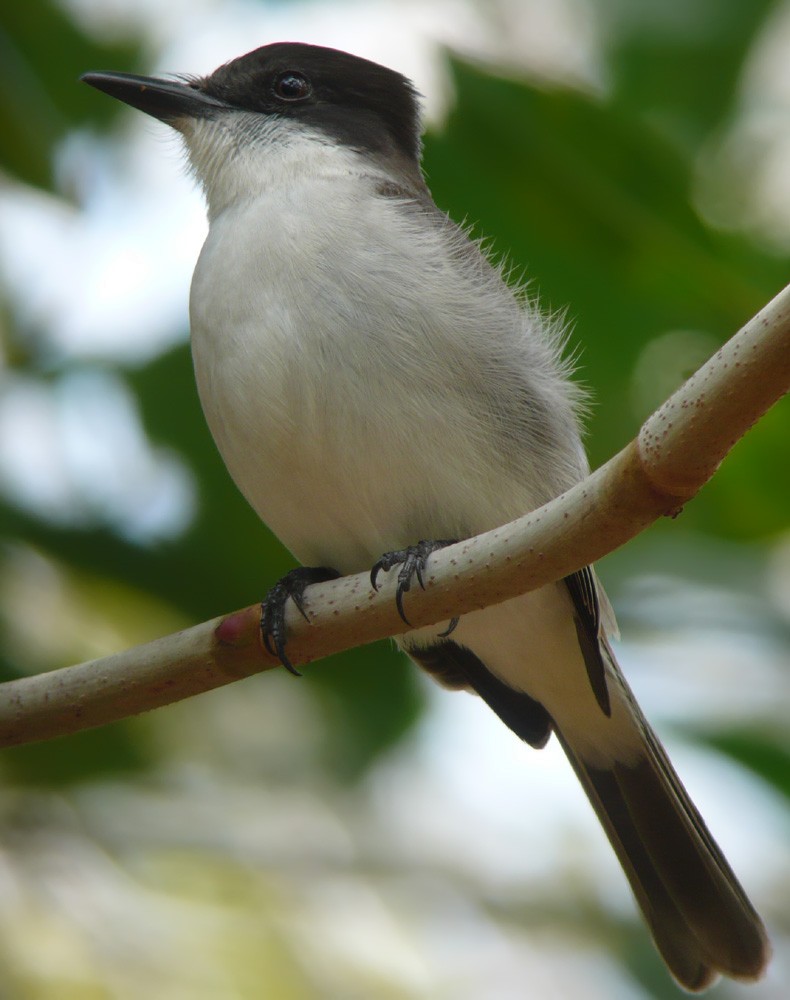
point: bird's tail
(569, 683)
(700, 918)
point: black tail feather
(700, 918)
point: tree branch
(677, 450)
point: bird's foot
(293, 585)
(412, 562)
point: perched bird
(376, 389)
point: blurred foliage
(763, 752)
(42, 54)
(591, 198)
(596, 205)
(91, 754)
(678, 65)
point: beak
(167, 100)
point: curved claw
(273, 628)
(450, 628)
(293, 586)
(399, 603)
(413, 561)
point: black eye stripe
(292, 86)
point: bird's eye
(292, 86)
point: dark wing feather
(455, 666)
(587, 619)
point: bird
(378, 389)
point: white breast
(346, 363)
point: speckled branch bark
(676, 452)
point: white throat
(240, 155)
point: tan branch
(676, 452)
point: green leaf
(594, 207)
(42, 55)
(679, 65)
(764, 753)
(109, 751)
